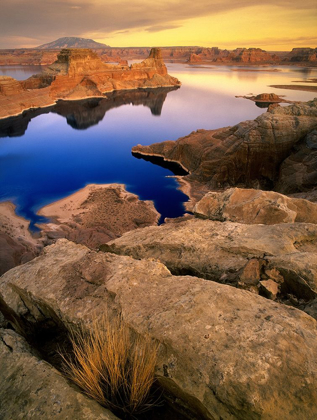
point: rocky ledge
(224, 353)
(79, 74)
(277, 151)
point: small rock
(269, 288)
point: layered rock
(254, 207)
(215, 55)
(249, 154)
(298, 172)
(252, 55)
(225, 353)
(31, 388)
(231, 253)
(78, 74)
(298, 55)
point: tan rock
(251, 273)
(30, 388)
(225, 352)
(79, 74)
(97, 214)
(270, 288)
(17, 245)
(230, 253)
(255, 206)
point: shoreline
(103, 96)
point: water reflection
(83, 114)
(49, 159)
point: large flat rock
(30, 388)
(255, 207)
(229, 354)
(238, 254)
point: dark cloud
(46, 20)
(158, 28)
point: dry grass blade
(112, 367)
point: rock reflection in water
(83, 114)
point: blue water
(50, 156)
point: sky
(274, 25)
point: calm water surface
(45, 156)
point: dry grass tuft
(112, 366)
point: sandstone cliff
(252, 154)
(215, 55)
(78, 74)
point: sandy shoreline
(13, 225)
(296, 87)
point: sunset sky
(272, 25)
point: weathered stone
(97, 214)
(269, 288)
(246, 155)
(221, 251)
(298, 172)
(30, 388)
(17, 245)
(228, 353)
(275, 275)
(251, 273)
(79, 74)
(255, 206)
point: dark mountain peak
(72, 42)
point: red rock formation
(9, 86)
(302, 55)
(194, 58)
(246, 155)
(78, 74)
(178, 54)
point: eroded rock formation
(225, 353)
(214, 55)
(231, 253)
(249, 154)
(255, 207)
(78, 74)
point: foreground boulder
(249, 154)
(226, 353)
(255, 206)
(30, 388)
(238, 254)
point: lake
(48, 154)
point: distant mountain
(72, 42)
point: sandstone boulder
(237, 254)
(255, 206)
(30, 388)
(228, 354)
